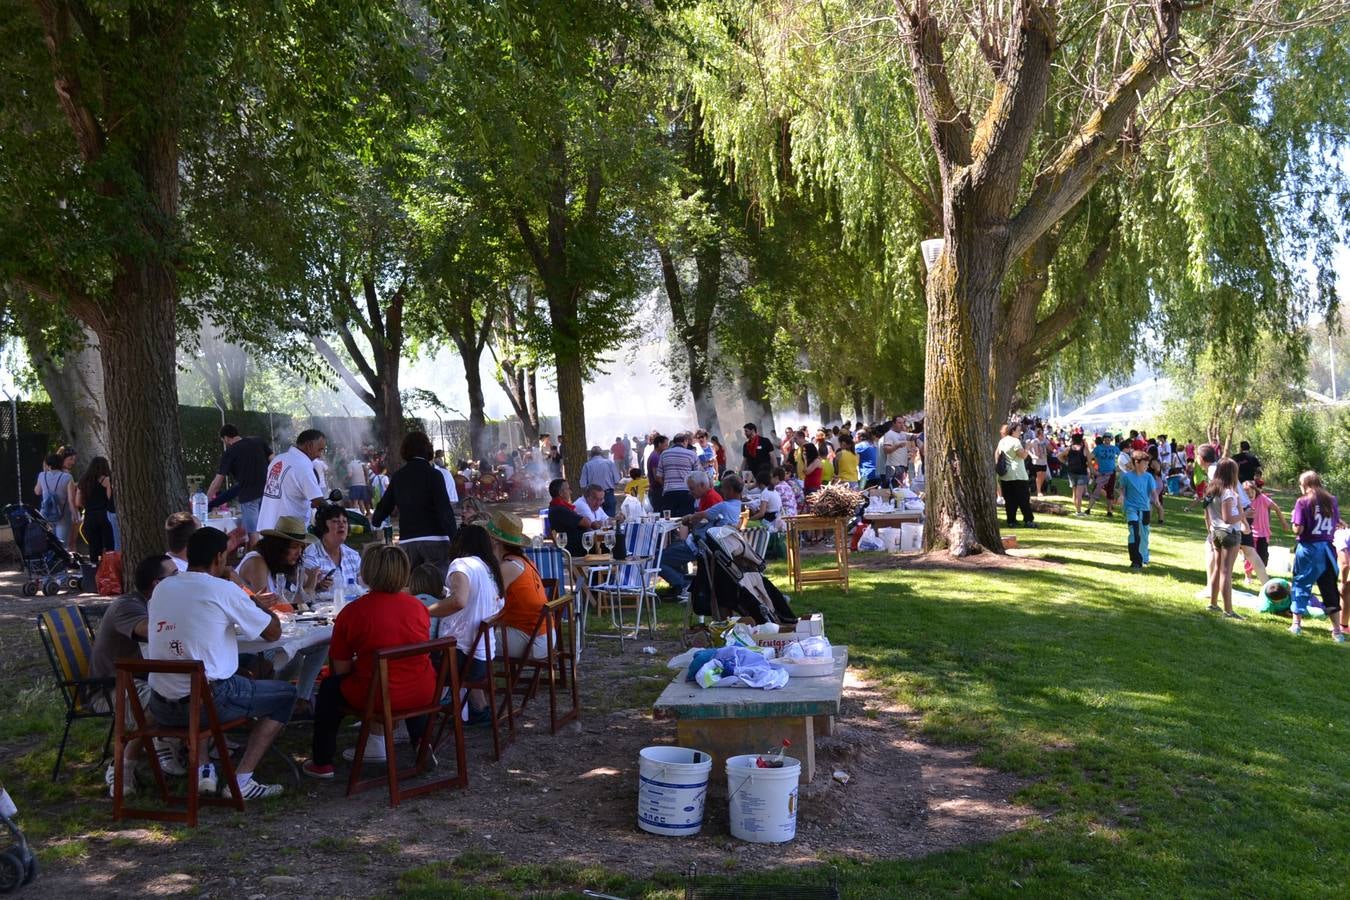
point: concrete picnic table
(734, 720)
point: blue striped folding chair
(555, 563)
(630, 583)
(757, 536)
(70, 647)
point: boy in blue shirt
(1139, 489)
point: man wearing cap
(600, 472)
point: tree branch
(89, 135)
(1000, 143)
(326, 351)
(948, 124)
(1087, 155)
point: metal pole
(1331, 362)
(18, 466)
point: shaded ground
(570, 797)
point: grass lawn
(1173, 752)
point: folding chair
(69, 639)
(757, 536)
(146, 729)
(560, 664)
(554, 563)
(633, 579)
(387, 717)
(488, 683)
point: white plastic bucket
(672, 785)
(890, 537)
(763, 802)
(911, 537)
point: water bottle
(342, 595)
(199, 506)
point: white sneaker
(206, 781)
(128, 780)
(170, 762)
(375, 752)
(256, 790)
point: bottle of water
(199, 506)
(343, 594)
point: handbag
(1001, 464)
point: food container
(806, 667)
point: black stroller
(18, 864)
(47, 562)
(729, 581)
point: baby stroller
(729, 581)
(46, 560)
(18, 864)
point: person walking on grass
(1139, 498)
(1104, 454)
(1224, 522)
(1075, 460)
(1315, 516)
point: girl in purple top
(1315, 516)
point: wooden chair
(488, 683)
(387, 717)
(69, 640)
(559, 662)
(146, 729)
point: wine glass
(537, 541)
(587, 540)
(560, 538)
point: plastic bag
(108, 578)
(871, 542)
(740, 635)
(815, 647)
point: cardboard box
(807, 627)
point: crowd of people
(211, 589)
(1140, 471)
(204, 600)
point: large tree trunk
(963, 289)
(532, 404)
(75, 386)
(141, 392)
(755, 396)
(803, 404)
(572, 418)
(473, 382)
(390, 413)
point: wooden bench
(730, 721)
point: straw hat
(507, 528)
(289, 528)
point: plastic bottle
(344, 594)
(199, 506)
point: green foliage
(1291, 440)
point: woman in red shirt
(387, 616)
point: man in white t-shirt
(895, 446)
(292, 487)
(194, 616)
(591, 506)
(358, 485)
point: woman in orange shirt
(525, 596)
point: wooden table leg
(723, 738)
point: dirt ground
(570, 797)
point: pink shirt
(1261, 507)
